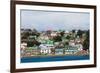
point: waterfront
(54, 58)
(56, 37)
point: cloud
(44, 20)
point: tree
(86, 41)
(87, 34)
(57, 38)
(25, 35)
(68, 37)
(33, 43)
(62, 33)
(86, 44)
(35, 32)
(79, 33)
(73, 31)
(66, 43)
(48, 32)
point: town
(54, 42)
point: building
(32, 37)
(79, 46)
(23, 45)
(44, 49)
(42, 38)
(71, 43)
(31, 51)
(71, 50)
(53, 34)
(59, 51)
(23, 48)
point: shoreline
(54, 55)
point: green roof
(34, 47)
(49, 42)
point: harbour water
(54, 58)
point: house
(23, 48)
(44, 49)
(31, 51)
(77, 40)
(56, 43)
(71, 43)
(53, 34)
(42, 38)
(79, 46)
(59, 51)
(35, 50)
(66, 33)
(23, 45)
(71, 50)
(32, 37)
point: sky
(54, 20)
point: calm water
(54, 58)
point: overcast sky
(49, 20)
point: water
(53, 58)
